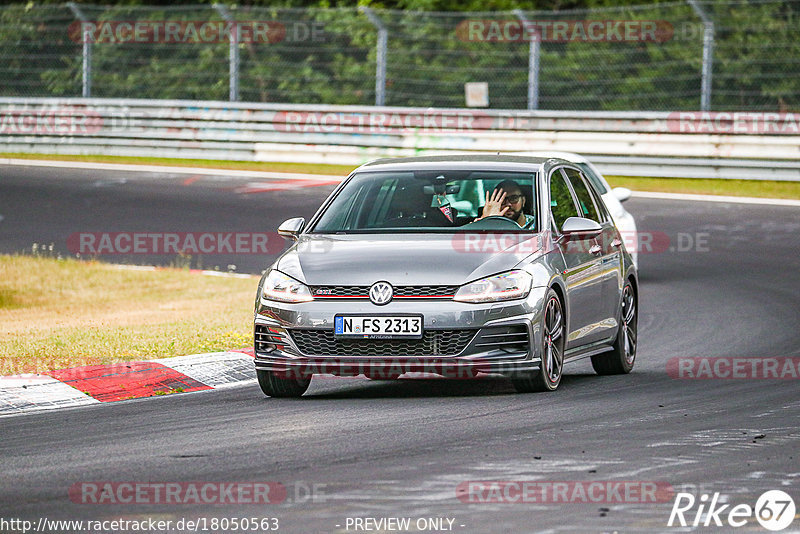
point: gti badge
(381, 293)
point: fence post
(708, 55)
(86, 69)
(533, 60)
(233, 52)
(380, 56)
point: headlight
(507, 286)
(278, 286)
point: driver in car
(507, 200)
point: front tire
(274, 385)
(549, 375)
(623, 355)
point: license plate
(378, 326)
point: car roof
(460, 161)
(569, 156)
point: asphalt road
(401, 449)
(50, 206)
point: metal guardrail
(758, 146)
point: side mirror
(622, 193)
(580, 226)
(291, 228)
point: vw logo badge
(381, 293)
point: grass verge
(60, 313)
(745, 188)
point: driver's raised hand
(494, 204)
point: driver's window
(562, 206)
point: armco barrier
(759, 146)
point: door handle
(616, 243)
(596, 250)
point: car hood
(404, 259)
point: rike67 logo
(774, 510)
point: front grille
(512, 338)
(425, 291)
(266, 339)
(433, 343)
(322, 292)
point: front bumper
(460, 340)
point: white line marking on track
(167, 169)
(717, 198)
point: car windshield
(428, 201)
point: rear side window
(602, 209)
(585, 200)
(561, 205)
(593, 179)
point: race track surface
(401, 449)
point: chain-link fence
(723, 55)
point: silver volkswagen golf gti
(450, 265)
